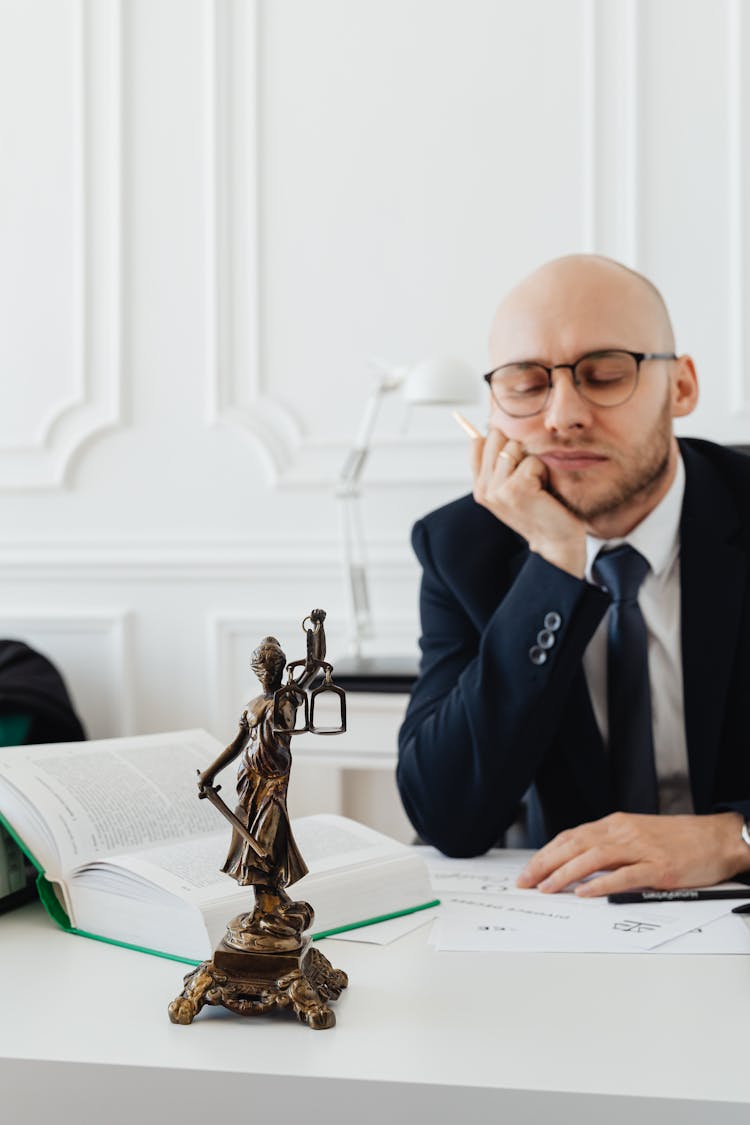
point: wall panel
(59, 210)
(216, 211)
(355, 178)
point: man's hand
(634, 851)
(511, 485)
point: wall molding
(94, 405)
(394, 634)
(237, 393)
(196, 560)
(238, 397)
(611, 153)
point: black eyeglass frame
(639, 358)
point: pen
(744, 909)
(685, 895)
(466, 425)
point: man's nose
(566, 409)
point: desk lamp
(447, 382)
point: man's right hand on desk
(628, 851)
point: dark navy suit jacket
(485, 722)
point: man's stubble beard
(641, 479)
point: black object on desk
(390, 675)
(687, 894)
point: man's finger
(492, 445)
(548, 859)
(476, 451)
(508, 458)
(631, 877)
(580, 867)
(532, 468)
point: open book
(128, 853)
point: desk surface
(84, 1034)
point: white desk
(421, 1036)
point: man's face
(603, 462)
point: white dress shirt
(657, 537)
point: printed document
(483, 909)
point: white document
(483, 909)
(383, 933)
(730, 935)
(562, 923)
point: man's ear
(684, 387)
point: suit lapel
(712, 577)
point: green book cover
(57, 912)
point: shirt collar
(656, 536)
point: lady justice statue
(264, 959)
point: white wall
(212, 212)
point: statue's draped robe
(262, 782)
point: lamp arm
(355, 571)
(353, 467)
(349, 492)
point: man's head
(609, 464)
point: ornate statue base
(253, 971)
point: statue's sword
(212, 793)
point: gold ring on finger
(508, 457)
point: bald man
(580, 463)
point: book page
(330, 842)
(115, 795)
(356, 874)
(191, 869)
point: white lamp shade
(441, 381)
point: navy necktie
(631, 748)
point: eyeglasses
(604, 378)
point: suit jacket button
(552, 621)
(545, 639)
(537, 655)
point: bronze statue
(264, 959)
